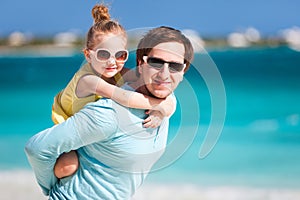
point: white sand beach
(21, 185)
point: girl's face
(109, 56)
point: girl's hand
(166, 107)
(153, 120)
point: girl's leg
(66, 165)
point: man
(114, 150)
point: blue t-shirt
(115, 152)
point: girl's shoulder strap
(119, 79)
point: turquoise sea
(259, 144)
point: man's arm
(93, 123)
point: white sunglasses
(103, 55)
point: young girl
(106, 55)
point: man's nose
(164, 72)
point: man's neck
(139, 86)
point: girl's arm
(153, 120)
(91, 84)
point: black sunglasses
(158, 63)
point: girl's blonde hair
(103, 24)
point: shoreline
(21, 185)
(56, 49)
(39, 50)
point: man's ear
(140, 65)
(87, 55)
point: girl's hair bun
(100, 13)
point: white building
(292, 37)
(244, 38)
(196, 40)
(17, 39)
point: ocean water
(260, 141)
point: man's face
(161, 82)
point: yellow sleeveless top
(66, 102)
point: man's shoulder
(105, 102)
(98, 114)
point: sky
(208, 17)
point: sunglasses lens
(103, 55)
(121, 56)
(176, 67)
(158, 64)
